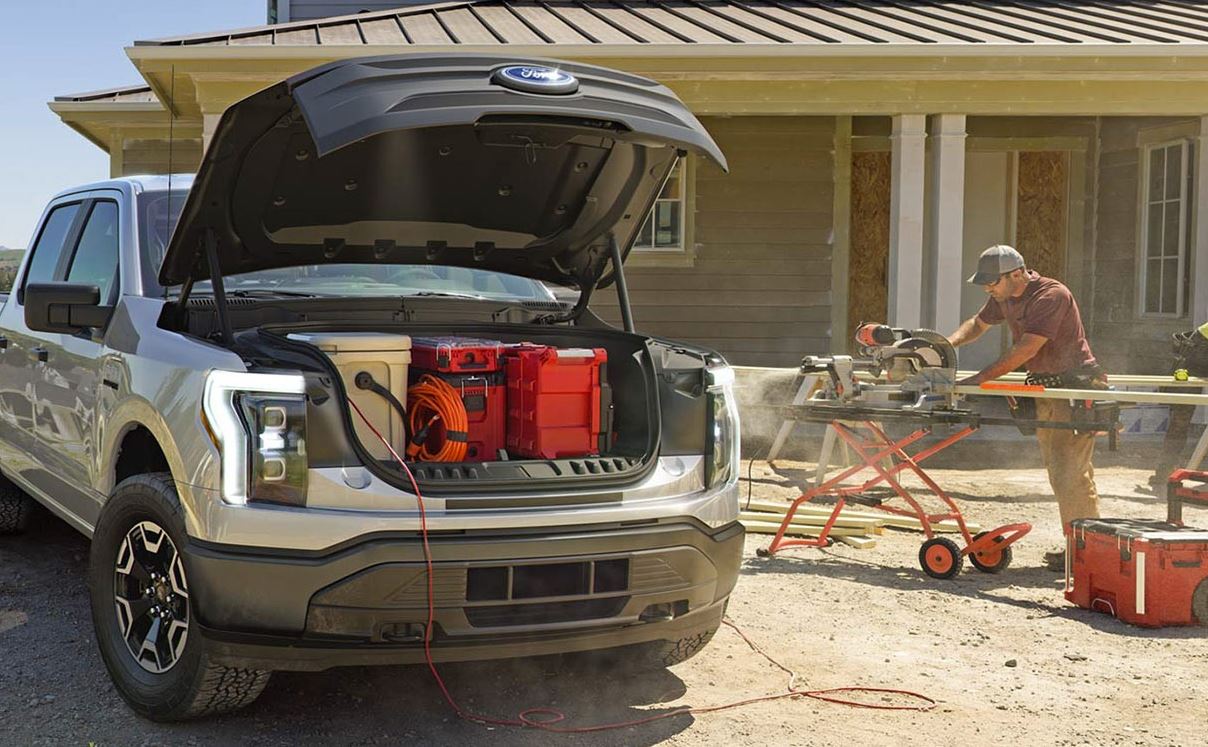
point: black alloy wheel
(151, 597)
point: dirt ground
(1005, 656)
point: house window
(664, 227)
(1164, 226)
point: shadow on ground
(54, 688)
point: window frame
(684, 254)
(69, 239)
(1183, 256)
(63, 271)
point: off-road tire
(651, 656)
(15, 508)
(194, 686)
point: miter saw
(895, 368)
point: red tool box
(1148, 573)
(484, 398)
(559, 403)
(456, 354)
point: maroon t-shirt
(1046, 308)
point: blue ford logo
(536, 79)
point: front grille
(504, 615)
(544, 580)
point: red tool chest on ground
(1148, 573)
(558, 401)
(456, 354)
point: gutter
(787, 52)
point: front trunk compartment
(334, 439)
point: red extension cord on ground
(546, 719)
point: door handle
(40, 354)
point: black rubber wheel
(940, 558)
(15, 508)
(995, 561)
(145, 621)
(1199, 602)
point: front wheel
(145, 619)
(940, 558)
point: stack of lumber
(856, 528)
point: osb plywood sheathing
(1040, 220)
(867, 280)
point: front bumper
(496, 595)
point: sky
(71, 46)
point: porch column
(117, 155)
(1199, 264)
(947, 219)
(906, 220)
(209, 123)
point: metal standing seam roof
(738, 22)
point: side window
(95, 259)
(49, 246)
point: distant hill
(10, 256)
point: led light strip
(219, 409)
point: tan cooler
(386, 358)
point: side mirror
(64, 307)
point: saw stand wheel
(940, 557)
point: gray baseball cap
(994, 262)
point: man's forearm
(970, 330)
(1019, 354)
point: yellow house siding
(1122, 340)
(151, 157)
(759, 287)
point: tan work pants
(1067, 456)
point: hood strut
(618, 272)
(220, 301)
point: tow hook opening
(664, 611)
(402, 632)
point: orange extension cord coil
(429, 401)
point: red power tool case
(559, 402)
(456, 354)
(484, 396)
(1147, 573)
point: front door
(66, 377)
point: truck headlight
(721, 462)
(258, 423)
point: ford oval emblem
(536, 79)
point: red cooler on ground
(558, 401)
(1147, 573)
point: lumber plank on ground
(881, 517)
(805, 530)
(860, 543)
(799, 518)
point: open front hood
(523, 167)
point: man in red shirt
(1049, 341)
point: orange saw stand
(940, 557)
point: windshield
(378, 280)
(159, 211)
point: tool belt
(1084, 377)
(1086, 416)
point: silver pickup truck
(179, 355)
